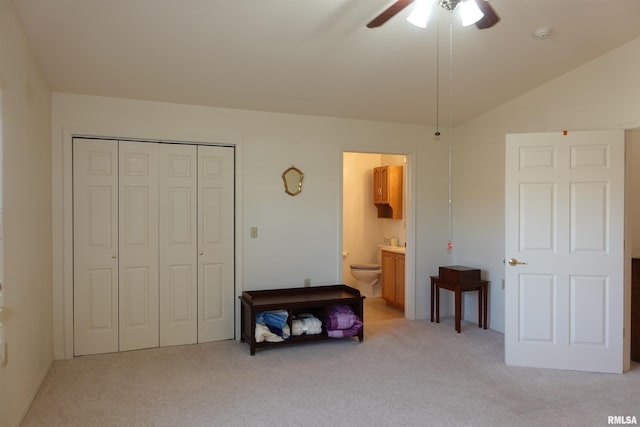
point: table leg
(480, 307)
(432, 297)
(437, 303)
(485, 298)
(458, 308)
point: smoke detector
(543, 33)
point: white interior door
(564, 218)
(138, 278)
(95, 246)
(215, 243)
(178, 245)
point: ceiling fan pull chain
(450, 73)
(437, 76)
(450, 177)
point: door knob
(513, 262)
(201, 253)
(114, 256)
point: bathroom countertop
(396, 249)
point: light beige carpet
(405, 373)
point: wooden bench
(312, 300)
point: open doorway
(374, 243)
(632, 227)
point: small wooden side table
(482, 286)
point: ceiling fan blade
(389, 13)
(490, 17)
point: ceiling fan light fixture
(419, 16)
(470, 12)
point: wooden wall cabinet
(387, 191)
(393, 278)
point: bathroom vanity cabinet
(387, 191)
(393, 278)
(296, 301)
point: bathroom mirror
(292, 178)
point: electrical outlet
(307, 283)
(254, 232)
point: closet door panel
(138, 227)
(213, 292)
(178, 245)
(95, 246)
(216, 244)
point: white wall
(602, 94)
(26, 127)
(299, 237)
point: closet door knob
(201, 253)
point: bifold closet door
(178, 245)
(215, 243)
(153, 244)
(138, 248)
(95, 246)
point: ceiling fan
(477, 12)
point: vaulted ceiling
(316, 56)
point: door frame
(63, 306)
(409, 215)
(629, 211)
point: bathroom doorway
(365, 235)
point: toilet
(368, 278)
